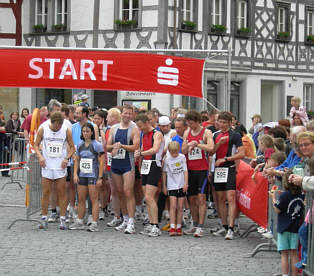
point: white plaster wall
(25, 18)
(7, 21)
(253, 98)
(150, 18)
(7, 42)
(26, 99)
(82, 15)
(106, 19)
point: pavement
(25, 250)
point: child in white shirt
(175, 184)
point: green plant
(58, 26)
(244, 30)
(310, 38)
(125, 22)
(310, 114)
(283, 34)
(218, 28)
(190, 24)
(38, 27)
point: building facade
(272, 47)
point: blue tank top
(122, 137)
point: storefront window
(43, 96)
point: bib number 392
(221, 175)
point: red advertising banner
(252, 197)
(101, 70)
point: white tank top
(54, 147)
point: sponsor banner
(88, 69)
(252, 197)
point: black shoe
(6, 175)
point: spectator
(296, 120)
(250, 151)
(310, 126)
(24, 114)
(13, 125)
(256, 124)
(297, 108)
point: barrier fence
(33, 190)
(309, 268)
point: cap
(164, 121)
(84, 97)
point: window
(41, 9)
(129, 10)
(61, 14)
(310, 25)
(281, 27)
(307, 96)
(242, 18)
(187, 10)
(216, 12)
(283, 20)
(212, 92)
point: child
(175, 182)
(289, 207)
(89, 158)
(298, 109)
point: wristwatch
(226, 158)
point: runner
(89, 160)
(53, 160)
(197, 142)
(228, 148)
(123, 140)
(150, 155)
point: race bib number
(221, 175)
(54, 150)
(146, 166)
(176, 167)
(109, 159)
(195, 154)
(86, 165)
(120, 154)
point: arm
(101, 162)
(75, 170)
(273, 197)
(39, 138)
(308, 183)
(135, 139)
(185, 146)
(70, 149)
(164, 183)
(109, 145)
(158, 139)
(96, 132)
(186, 181)
(208, 138)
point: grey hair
(310, 126)
(297, 129)
(52, 103)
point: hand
(99, 183)
(42, 162)
(64, 163)
(164, 190)
(223, 140)
(253, 163)
(185, 188)
(269, 172)
(296, 179)
(219, 162)
(192, 144)
(137, 154)
(117, 145)
(75, 179)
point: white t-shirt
(175, 168)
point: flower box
(283, 37)
(125, 25)
(58, 28)
(243, 32)
(218, 29)
(188, 25)
(39, 28)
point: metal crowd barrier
(33, 190)
(309, 268)
(6, 148)
(17, 154)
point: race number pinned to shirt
(109, 158)
(195, 154)
(146, 167)
(54, 149)
(120, 154)
(86, 165)
(221, 175)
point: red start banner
(101, 70)
(252, 197)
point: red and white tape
(12, 164)
(13, 169)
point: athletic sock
(54, 210)
(200, 225)
(44, 217)
(178, 226)
(231, 228)
(172, 225)
(131, 220)
(195, 223)
(225, 226)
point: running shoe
(89, 220)
(220, 233)
(261, 230)
(172, 232)
(77, 225)
(213, 214)
(138, 216)
(115, 222)
(122, 226)
(155, 232)
(130, 229)
(147, 229)
(190, 231)
(215, 229)
(211, 205)
(230, 235)
(268, 235)
(146, 221)
(53, 217)
(187, 213)
(166, 227)
(101, 215)
(198, 232)
(166, 215)
(93, 227)
(63, 225)
(43, 224)
(179, 232)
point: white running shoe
(155, 232)
(122, 226)
(53, 217)
(115, 222)
(190, 231)
(268, 235)
(101, 215)
(130, 229)
(230, 235)
(93, 227)
(147, 229)
(89, 220)
(77, 225)
(198, 232)
(220, 233)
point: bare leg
(93, 195)
(62, 197)
(222, 209)
(46, 190)
(118, 181)
(128, 189)
(82, 193)
(194, 208)
(284, 261)
(231, 197)
(150, 197)
(173, 209)
(202, 208)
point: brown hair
(141, 117)
(267, 140)
(227, 116)
(57, 118)
(278, 157)
(294, 189)
(193, 115)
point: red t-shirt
(223, 149)
(268, 152)
(28, 120)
